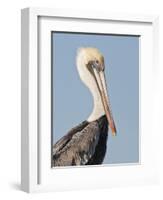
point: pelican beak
(102, 87)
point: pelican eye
(97, 62)
(94, 64)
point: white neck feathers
(89, 81)
(98, 109)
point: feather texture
(83, 145)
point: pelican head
(91, 68)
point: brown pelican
(85, 144)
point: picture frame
(36, 172)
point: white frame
(31, 145)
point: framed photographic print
(89, 86)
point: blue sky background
(73, 101)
